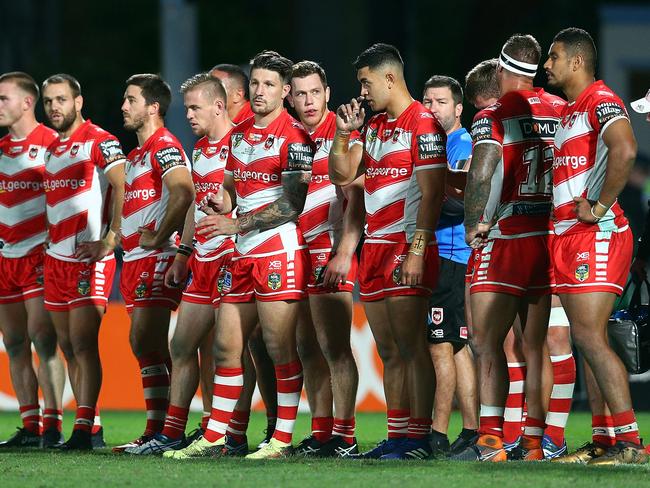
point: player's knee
(180, 349)
(16, 345)
(336, 352)
(66, 348)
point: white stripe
(516, 387)
(30, 413)
(156, 414)
(224, 404)
(288, 399)
(489, 411)
(563, 357)
(215, 426)
(562, 391)
(557, 418)
(229, 380)
(511, 414)
(284, 425)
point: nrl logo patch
(372, 136)
(274, 281)
(196, 155)
(83, 287)
(141, 290)
(582, 272)
(396, 274)
(224, 282)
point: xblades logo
(152, 370)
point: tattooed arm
(485, 158)
(284, 209)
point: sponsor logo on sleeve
(606, 111)
(536, 128)
(430, 146)
(300, 156)
(169, 157)
(481, 129)
(111, 150)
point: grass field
(36, 468)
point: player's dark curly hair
(154, 90)
(273, 61)
(378, 55)
(579, 41)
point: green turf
(36, 468)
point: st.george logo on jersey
(437, 315)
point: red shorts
(592, 261)
(142, 284)
(319, 259)
(379, 271)
(22, 278)
(202, 288)
(70, 285)
(267, 279)
(520, 267)
(472, 262)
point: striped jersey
(258, 159)
(76, 188)
(22, 195)
(145, 195)
(208, 163)
(580, 158)
(321, 220)
(394, 151)
(523, 123)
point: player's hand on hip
(582, 209)
(349, 116)
(148, 238)
(476, 237)
(336, 271)
(216, 225)
(412, 270)
(93, 251)
(212, 204)
(176, 274)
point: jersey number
(539, 162)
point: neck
(312, 128)
(519, 83)
(265, 119)
(576, 86)
(23, 127)
(70, 130)
(236, 107)
(399, 102)
(220, 128)
(150, 126)
(455, 127)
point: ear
(238, 95)
(219, 105)
(327, 94)
(459, 110)
(390, 79)
(290, 100)
(153, 109)
(578, 61)
(28, 103)
(78, 103)
(286, 89)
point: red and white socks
(344, 428)
(602, 430)
(321, 428)
(155, 381)
(238, 425)
(175, 422)
(52, 419)
(228, 385)
(491, 421)
(513, 413)
(289, 384)
(398, 422)
(559, 406)
(31, 417)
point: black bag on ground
(629, 333)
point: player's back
(524, 124)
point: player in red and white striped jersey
(332, 223)
(404, 161)
(508, 195)
(158, 193)
(592, 248)
(267, 177)
(257, 365)
(236, 83)
(199, 258)
(84, 182)
(23, 319)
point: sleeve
(487, 128)
(428, 147)
(355, 138)
(169, 158)
(107, 152)
(605, 111)
(299, 152)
